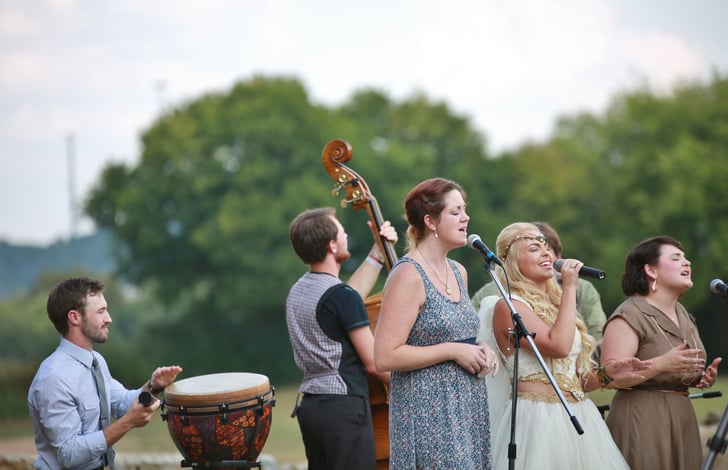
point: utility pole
(70, 159)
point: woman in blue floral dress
(426, 336)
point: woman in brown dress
(651, 419)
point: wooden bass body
(378, 399)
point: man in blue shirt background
(64, 401)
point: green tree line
(200, 223)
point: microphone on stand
(476, 243)
(585, 271)
(719, 287)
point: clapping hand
(627, 368)
(707, 379)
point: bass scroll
(358, 196)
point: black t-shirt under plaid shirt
(320, 311)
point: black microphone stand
(717, 443)
(521, 332)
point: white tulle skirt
(546, 438)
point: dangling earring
(654, 285)
(436, 236)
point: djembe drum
(219, 418)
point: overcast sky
(84, 78)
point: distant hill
(20, 265)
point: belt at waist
(656, 388)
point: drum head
(214, 389)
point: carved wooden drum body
(219, 417)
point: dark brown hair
(70, 295)
(310, 233)
(634, 279)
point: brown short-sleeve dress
(654, 424)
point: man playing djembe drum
(73, 394)
(332, 343)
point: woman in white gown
(545, 435)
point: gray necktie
(104, 418)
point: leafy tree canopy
(202, 219)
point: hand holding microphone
(145, 398)
(584, 271)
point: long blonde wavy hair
(544, 304)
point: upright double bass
(335, 154)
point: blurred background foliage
(198, 227)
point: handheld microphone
(476, 243)
(145, 398)
(585, 271)
(719, 287)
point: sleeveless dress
(438, 416)
(545, 437)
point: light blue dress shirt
(65, 408)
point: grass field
(284, 442)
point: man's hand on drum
(162, 377)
